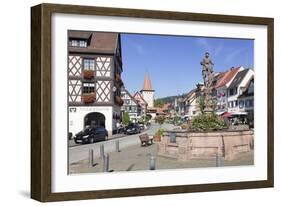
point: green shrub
(160, 132)
(160, 119)
(126, 118)
(207, 122)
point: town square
(149, 102)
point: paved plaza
(135, 158)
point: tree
(158, 103)
(126, 118)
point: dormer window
(78, 43)
(251, 88)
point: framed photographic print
(130, 102)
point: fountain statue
(208, 75)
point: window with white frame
(78, 43)
(251, 88)
(88, 64)
(88, 88)
(241, 103)
(82, 43)
(232, 91)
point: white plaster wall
(244, 82)
(76, 119)
(149, 98)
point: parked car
(141, 125)
(91, 135)
(132, 129)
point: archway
(94, 119)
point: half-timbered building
(140, 100)
(130, 106)
(94, 80)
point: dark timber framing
(41, 101)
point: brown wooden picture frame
(41, 96)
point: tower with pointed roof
(147, 91)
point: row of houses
(233, 93)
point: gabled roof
(245, 92)
(189, 94)
(131, 97)
(106, 42)
(238, 78)
(137, 93)
(79, 34)
(227, 76)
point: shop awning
(239, 113)
(226, 114)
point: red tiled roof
(227, 77)
(147, 83)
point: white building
(192, 107)
(221, 89)
(130, 106)
(94, 80)
(147, 94)
(236, 89)
(246, 101)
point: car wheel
(91, 140)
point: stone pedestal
(204, 145)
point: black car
(91, 135)
(132, 129)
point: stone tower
(147, 91)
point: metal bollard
(152, 163)
(117, 146)
(101, 151)
(106, 163)
(219, 161)
(91, 157)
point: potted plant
(88, 98)
(88, 74)
(158, 135)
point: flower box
(89, 98)
(89, 74)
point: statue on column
(207, 69)
(207, 74)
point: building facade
(192, 101)
(94, 80)
(246, 101)
(143, 104)
(130, 106)
(221, 88)
(236, 89)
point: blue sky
(173, 62)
